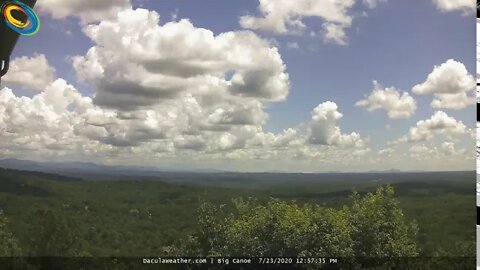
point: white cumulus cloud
(287, 17)
(31, 72)
(324, 129)
(334, 33)
(137, 63)
(467, 6)
(397, 106)
(440, 123)
(450, 84)
(373, 3)
(293, 45)
(86, 10)
(170, 92)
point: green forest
(47, 215)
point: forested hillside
(51, 215)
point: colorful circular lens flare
(9, 16)
(11, 11)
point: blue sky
(397, 43)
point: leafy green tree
(53, 235)
(459, 249)
(373, 226)
(285, 229)
(54, 239)
(8, 243)
(380, 228)
(10, 251)
(462, 255)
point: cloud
(201, 92)
(450, 77)
(31, 72)
(324, 129)
(448, 149)
(419, 149)
(478, 52)
(478, 94)
(373, 3)
(197, 91)
(450, 84)
(61, 123)
(476, 134)
(334, 33)
(41, 121)
(249, 113)
(136, 63)
(174, 92)
(293, 46)
(287, 17)
(86, 10)
(440, 123)
(453, 101)
(386, 151)
(171, 92)
(423, 152)
(174, 15)
(397, 106)
(467, 6)
(61, 118)
(361, 152)
(445, 150)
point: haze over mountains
(92, 171)
(87, 170)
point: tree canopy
(8, 243)
(371, 226)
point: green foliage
(284, 229)
(146, 218)
(8, 243)
(53, 235)
(9, 247)
(374, 226)
(380, 228)
(460, 249)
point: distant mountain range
(37, 165)
(71, 168)
(86, 170)
(386, 171)
(92, 171)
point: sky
(246, 85)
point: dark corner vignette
(478, 215)
(478, 9)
